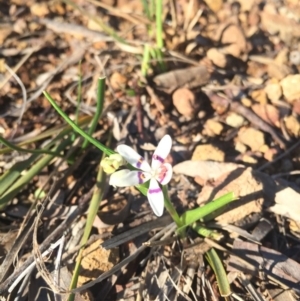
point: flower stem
(169, 206)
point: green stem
(76, 128)
(99, 108)
(169, 206)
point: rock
(259, 96)
(118, 81)
(291, 87)
(234, 37)
(273, 91)
(235, 120)
(185, 103)
(219, 59)
(294, 57)
(214, 5)
(39, 9)
(248, 159)
(292, 125)
(240, 147)
(246, 102)
(251, 137)
(213, 127)
(208, 152)
(270, 154)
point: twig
(288, 151)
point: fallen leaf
(268, 113)
(205, 170)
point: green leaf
(216, 264)
(194, 215)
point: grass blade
(76, 128)
(194, 215)
(216, 264)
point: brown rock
(219, 59)
(249, 187)
(213, 127)
(291, 87)
(208, 152)
(39, 9)
(259, 96)
(184, 101)
(251, 137)
(118, 81)
(273, 91)
(235, 120)
(292, 124)
(214, 5)
(234, 37)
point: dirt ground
(225, 85)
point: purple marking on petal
(141, 177)
(158, 158)
(156, 190)
(140, 162)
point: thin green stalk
(216, 264)
(146, 9)
(76, 128)
(159, 24)
(79, 93)
(99, 108)
(62, 129)
(169, 206)
(146, 60)
(24, 150)
(92, 212)
(159, 33)
(191, 216)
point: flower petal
(156, 198)
(165, 173)
(126, 177)
(161, 152)
(133, 158)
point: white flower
(158, 172)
